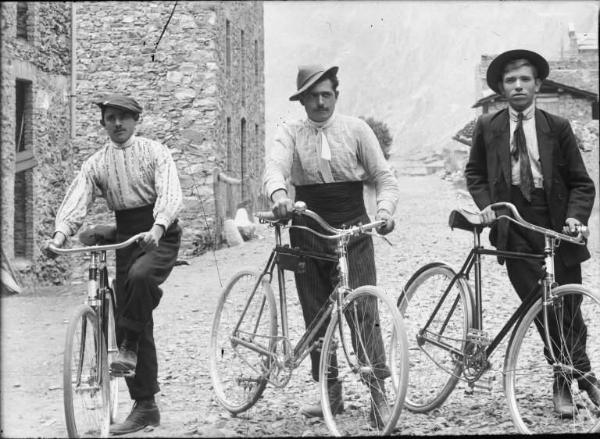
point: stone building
(197, 68)
(36, 131)
(201, 87)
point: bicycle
(444, 318)
(90, 389)
(246, 351)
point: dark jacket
(569, 190)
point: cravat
(324, 153)
(520, 153)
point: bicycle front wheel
(367, 352)
(85, 377)
(529, 376)
(436, 338)
(242, 337)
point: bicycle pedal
(122, 373)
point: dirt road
(34, 325)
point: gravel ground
(34, 325)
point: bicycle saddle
(462, 219)
(98, 235)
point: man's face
(319, 101)
(519, 85)
(119, 124)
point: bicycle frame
(473, 262)
(309, 340)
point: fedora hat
(308, 76)
(121, 102)
(496, 67)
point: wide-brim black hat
(496, 67)
(308, 76)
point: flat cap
(120, 101)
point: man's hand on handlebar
(151, 238)
(487, 215)
(386, 228)
(282, 205)
(58, 240)
(572, 226)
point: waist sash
(337, 203)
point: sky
(410, 64)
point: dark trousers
(320, 278)
(524, 274)
(139, 275)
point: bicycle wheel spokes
(85, 377)
(529, 376)
(434, 348)
(367, 353)
(246, 315)
(112, 351)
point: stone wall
(187, 88)
(43, 62)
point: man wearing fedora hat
(139, 181)
(529, 157)
(327, 157)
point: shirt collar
(125, 144)
(527, 113)
(321, 125)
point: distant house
(554, 97)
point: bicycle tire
(529, 391)
(85, 377)
(239, 375)
(359, 370)
(112, 350)
(434, 371)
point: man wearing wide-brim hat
(327, 156)
(138, 178)
(529, 157)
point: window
(23, 131)
(229, 151)
(23, 219)
(227, 48)
(595, 110)
(243, 64)
(22, 13)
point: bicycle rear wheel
(528, 379)
(85, 377)
(246, 312)
(371, 364)
(435, 353)
(112, 350)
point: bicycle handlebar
(580, 239)
(95, 248)
(300, 209)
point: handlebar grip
(265, 216)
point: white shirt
(137, 173)
(354, 152)
(532, 146)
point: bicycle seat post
(478, 323)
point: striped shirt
(355, 156)
(137, 173)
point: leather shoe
(335, 400)
(590, 384)
(143, 414)
(561, 397)
(380, 411)
(126, 360)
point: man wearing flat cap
(327, 157)
(529, 157)
(139, 181)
